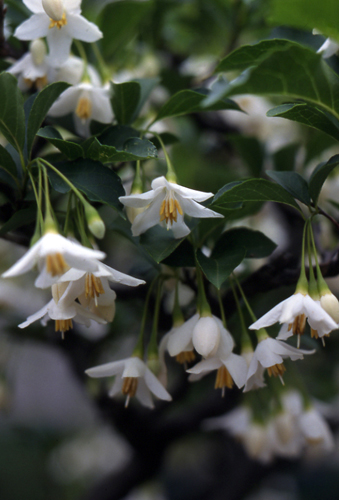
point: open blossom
(55, 255)
(60, 21)
(132, 378)
(166, 204)
(294, 311)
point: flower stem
(253, 317)
(171, 175)
(139, 348)
(246, 340)
(222, 310)
(153, 344)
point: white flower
(55, 254)
(294, 311)
(166, 204)
(316, 430)
(269, 354)
(60, 21)
(328, 48)
(87, 102)
(132, 378)
(257, 380)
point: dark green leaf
(70, 149)
(189, 101)
(217, 268)
(126, 97)
(308, 115)
(134, 149)
(252, 190)
(250, 149)
(41, 105)
(306, 14)
(97, 182)
(183, 256)
(12, 118)
(284, 159)
(166, 137)
(159, 242)
(256, 244)
(19, 219)
(118, 22)
(146, 87)
(320, 175)
(293, 183)
(7, 162)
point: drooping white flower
(316, 430)
(60, 21)
(294, 311)
(54, 255)
(166, 204)
(269, 354)
(328, 48)
(87, 102)
(132, 378)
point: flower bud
(330, 304)
(38, 51)
(53, 8)
(94, 221)
(206, 336)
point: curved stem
(139, 348)
(244, 298)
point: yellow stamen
(276, 370)
(185, 357)
(169, 210)
(56, 264)
(63, 325)
(129, 386)
(223, 379)
(298, 325)
(84, 108)
(93, 286)
(59, 24)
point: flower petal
(143, 394)
(34, 6)
(149, 218)
(66, 103)
(138, 200)
(237, 367)
(34, 317)
(181, 340)
(107, 370)
(155, 386)
(79, 28)
(206, 366)
(59, 43)
(194, 209)
(35, 27)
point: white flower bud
(330, 304)
(206, 336)
(38, 51)
(54, 9)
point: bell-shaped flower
(60, 21)
(54, 255)
(166, 204)
(294, 311)
(87, 102)
(316, 430)
(269, 354)
(132, 378)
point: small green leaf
(19, 219)
(159, 242)
(308, 115)
(70, 149)
(7, 162)
(252, 190)
(12, 118)
(218, 267)
(125, 100)
(319, 176)
(293, 183)
(41, 105)
(256, 244)
(189, 101)
(96, 181)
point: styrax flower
(315, 430)
(60, 21)
(166, 204)
(328, 48)
(132, 378)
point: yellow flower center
(56, 264)
(277, 371)
(93, 286)
(298, 325)
(63, 325)
(169, 209)
(223, 379)
(60, 23)
(129, 388)
(185, 357)
(39, 82)
(84, 108)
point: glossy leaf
(12, 118)
(7, 163)
(70, 149)
(96, 181)
(320, 175)
(146, 87)
(41, 105)
(308, 115)
(256, 244)
(218, 267)
(126, 97)
(19, 219)
(134, 149)
(159, 242)
(252, 190)
(293, 183)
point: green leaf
(96, 181)
(252, 190)
(70, 149)
(282, 67)
(293, 183)
(12, 118)
(118, 22)
(19, 219)
(125, 100)
(41, 105)
(7, 163)
(284, 159)
(218, 267)
(250, 149)
(319, 176)
(183, 256)
(159, 242)
(189, 101)
(134, 149)
(305, 14)
(146, 87)
(256, 244)
(308, 115)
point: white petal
(206, 366)
(66, 103)
(82, 126)
(35, 27)
(179, 228)
(155, 386)
(328, 48)
(191, 193)
(134, 367)
(101, 106)
(117, 277)
(269, 318)
(34, 6)
(116, 387)
(192, 208)
(143, 394)
(293, 306)
(149, 218)
(34, 317)
(138, 200)
(59, 43)
(284, 332)
(237, 367)
(79, 28)
(181, 340)
(107, 370)
(71, 5)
